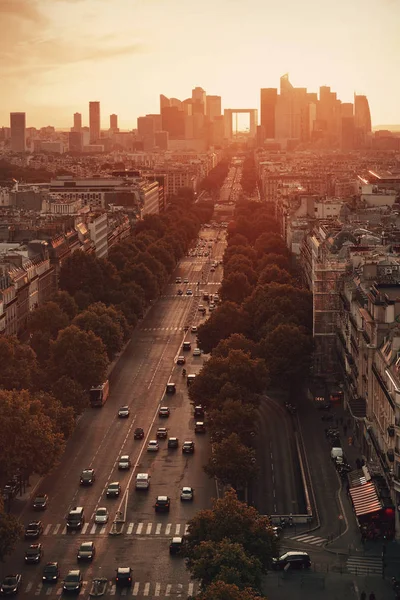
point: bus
(99, 394)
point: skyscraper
(362, 115)
(164, 101)
(268, 105)
(114, 123)
(18, 131)
(77, 122)
(213, 107)
(198, 101)
(94, 121)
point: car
(164, 412)
(187, 494)
(193, 329)
(138, 434)
(295, 559)
(178, 280)
(199, 427)
(101, 515)
(88, 477)
(86, 551)
(170, 388)
(123, 577)
(211, 307)
(189, 292)
(186, 280)
(175, 545)
(51, 572)
(73, 581)
(123, 412)
(188, 447)
(10, 584)
(40, 502)
(153, 446)
(216, 298)
(212, 270)
(186, 346)
(173, 442)
(180, 293)
(200, 307)
(162, 433)
(124, 462)
(206, 296)
(33, 554)
(181, 360)
(33, 530)
(113, 489)
(203, 311)
(199, 411)
(197, 352)
(162, 504)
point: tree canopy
(19, 366)
(219, 590)
(223, 322)
(232, 462)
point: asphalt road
(138, 380)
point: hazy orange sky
(56, 55)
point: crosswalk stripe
(93, 529)
(149, 527)
(158, 589)
(56, 528)
(186, 529)
(59, 591)
(64, 531)
(146, 589)
(130, 528)
(48, 591)
(29, 587)
(84, 528)
(158, 528)
(168, 528)
(113, 590)
(47, 529)
(168, 590)
(177, 529)
(135, 589)
(38, 589)
(139, 529)
(190, 589)
(364, 565)
(103, 529)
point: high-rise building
(18, 131)
(161, 139)
(198, 101)
(94, 121)
(268, 105)
(164, 101)
(75, 141)
(77, 122)
(213, 107)
(348, 133)
(173, 121)
(362, 115)
(114, 123)
(347, 110)
(145, 126)
(157, 121)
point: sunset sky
(56, 55)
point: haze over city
(55, 55)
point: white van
(142, 481)
(337, 454)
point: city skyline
(60, 46)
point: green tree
(226, 320)
(273, 273)
(11, 531)
(237, 239)
(234, 520)
(288, 350)
(279, 260)
(247, 251)
(62, 416)
(71, 394)
(48, 318)
(66, 303)
(219, 590)
(270, 242)
(19, 366)
(80, 355)
(141, 275)
(232, 462)
(235, 288)
(103, 327)
(163, 255)
(29, 439)
(225, 561)
(116, 315)
(236, 341)
(235, 416)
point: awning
(365, 499)
(358, 477)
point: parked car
(295, 559)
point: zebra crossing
(139, 528)
(161, 329)
(313, 540)
(138, 589)
(365, 565)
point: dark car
(33, 530)
(164, 412)
(162, 433)
(170, 388)
(73, 581)
(175, 545)
(34, 554)
(180, 293)
(199, 411)
(88, 477)
(188, 447)
(180, 360)
(87, 551)
(295, 560)
(123, 577)
(138, 434)
(113, 490)
(40, 502)
(199, 427)
(51, 572)
(10, 584)
(173, 442)
(162, 504)
(186, 346)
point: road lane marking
(168, 528)
(179, 590)
(177, 529)
(139, 529)
(113, 590)
(49, 591)
(38, 589)
(56, 528)
(158, 589)
(158, 528)
(130, 528)
(135, 589)
(84, 528)
(93, 529)
(46, 531)
(168, 590)
(149, 528)
(186, 529)
(103, 529)
(146, 589)
(29, 587)
(190, 589)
